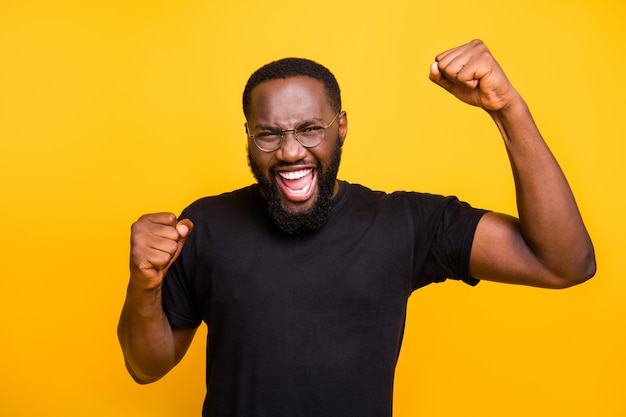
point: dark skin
(548, 246)
(284, 103)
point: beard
(295, 222)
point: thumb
(435, 74)
(438, 78)
(184, 228)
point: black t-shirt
(311, 324)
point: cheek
(262, 161)
(324, 156)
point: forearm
(145, 335)
(550, 221)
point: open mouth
(297, 186)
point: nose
(290, 149)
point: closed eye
(266, 134)
(309, 129)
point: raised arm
(150, 345)
(548, 246)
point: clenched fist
(472, 75)
(156, 242)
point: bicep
(500, 253)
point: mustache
(301, 162)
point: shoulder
(401, 206)
(399, 198)
(224, 204)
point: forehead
(288, 100)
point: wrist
(146, 301)
(515, 108)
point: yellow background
(110, 109)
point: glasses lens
(267, 141)
(311, 135)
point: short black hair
(293, 67)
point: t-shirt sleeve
(446, 240)
(177, 302)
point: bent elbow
(142, 378)
(592, 267)
(584, 271)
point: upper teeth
(294, 175)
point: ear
(343, 127)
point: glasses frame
(285, 132)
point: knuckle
(170, 248)
(160, 260)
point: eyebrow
(269, 126)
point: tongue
(300, 183)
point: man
(303, 279)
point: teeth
(294, 175)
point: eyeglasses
(309, 134)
